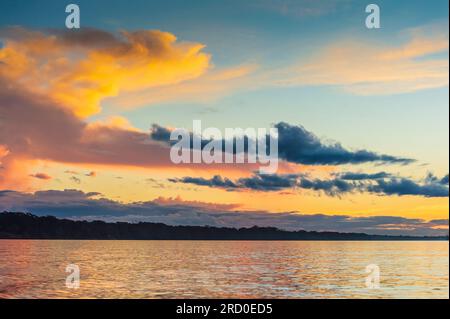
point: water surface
(223, 269)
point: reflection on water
(219, 269)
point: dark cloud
(363, 176)
(431, 178)
(379, 183)
(162, 134)
(297, 145)
(269, 182)
(159, 133)
(41, 176)
(91, 206)
(256, 182)
(331, 187)
(274, 182)
(216, 181)
(403, 186)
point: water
(219, 269)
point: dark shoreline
(27, 226)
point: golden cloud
(80, 68)
(203, 89)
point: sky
(362, 113)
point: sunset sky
(362, 113)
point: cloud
(431, 178)
(366, 68)
(55, 134)
(297, 145)
(41, 176)
(300, 146)
(79, 68)
(91, 206)
(332, 187)
(214, 84)
(216, 181)
(363, 176)
(178, 201)
(378, 183)
(115, 143)
(403, 186)
(268, 182)
(272, 183)
(91, 174)
(160, 133)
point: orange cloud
(52, 80)
(205, 88)
(367, 68)
(80, 68)
(423, 41)
(14, 173)
(113, 122)
(21, 172)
